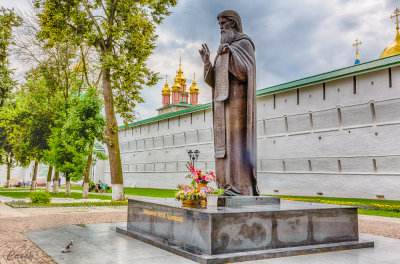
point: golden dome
(393, 48)
(194, 88)
(177, 78)
(176, 86)
(180, 73)
(166, 90)
(182, 78)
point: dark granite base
(243, 256)
(265, 228)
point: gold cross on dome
(356, 45)
(396, 14)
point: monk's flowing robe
(233, 82)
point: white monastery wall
(22, 173)
(341, 140)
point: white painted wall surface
(346, 145)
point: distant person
(102, 187)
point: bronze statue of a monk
(233, 82)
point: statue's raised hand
(205, 54)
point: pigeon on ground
(68, 248)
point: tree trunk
(111, 137)
(48, 182)
(67, 185)
(55, 181)
(85, 191)
(35, 170)
(8, 174)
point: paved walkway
(15, 247)
(107, 246)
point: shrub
(40, 197)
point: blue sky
(293, 39)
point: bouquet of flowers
(187, 192)
(199, 176)
(204, 191)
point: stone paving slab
(107, 246)
(15, 221)
(15, 247)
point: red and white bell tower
(166, 94)
(194, 92)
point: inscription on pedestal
(164, 215)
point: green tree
(84, 126)
(41, 105)
(7, 155)
(8, 20)
(123, 34)
(65, 157)
(27, 122)
(54, 76)
(13, 125)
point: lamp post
(193, 155)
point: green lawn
(14, 189)
(23, 195)
(389, 208)
(342, 201)
(164, 193)
(80, 188)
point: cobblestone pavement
(380, 226)
(15, 247)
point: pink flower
(207, 178)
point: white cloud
(294, 39)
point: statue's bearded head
(230, 23)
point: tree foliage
(123, 33)
(8, 20)
(73, 138)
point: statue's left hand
(223, 48)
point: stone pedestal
(245, 229)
